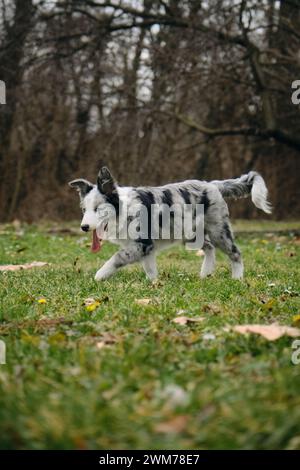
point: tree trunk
(11, 72)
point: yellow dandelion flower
(296, 319)
(42, 301)
(92, 306)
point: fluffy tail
(252, 183)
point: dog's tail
(252, 183)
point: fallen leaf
(270, 332)
(106, 339)
(156, 283)
(143, 301)
(183, 320)
(18, 267)
(173, 426)
(37, 325)
(211, 308)
(191, 338)
(109, 338)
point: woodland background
(158, 90)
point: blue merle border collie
(217, 228)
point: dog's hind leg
(150, 267)
(223, 238)
(209, 262)
(132, 254)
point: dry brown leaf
(191, 338)
(107, 339)
(18, 267)
(211, 308)
(270, 332)
(156, 283)
(174, 425)
(183, 320)
(36, 324)
(143, 301)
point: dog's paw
(100, 276)
(238, 277)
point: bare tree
(159, 89)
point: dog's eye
(96, 209)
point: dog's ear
(82, 186)
(105, 181)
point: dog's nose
(85, 228)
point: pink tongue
(96, 244)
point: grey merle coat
(217, 230)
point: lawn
(125, 375)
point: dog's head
(99, 203)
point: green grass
(126, 376)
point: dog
(103, 205)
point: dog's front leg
(150, 267)
(129, 255)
